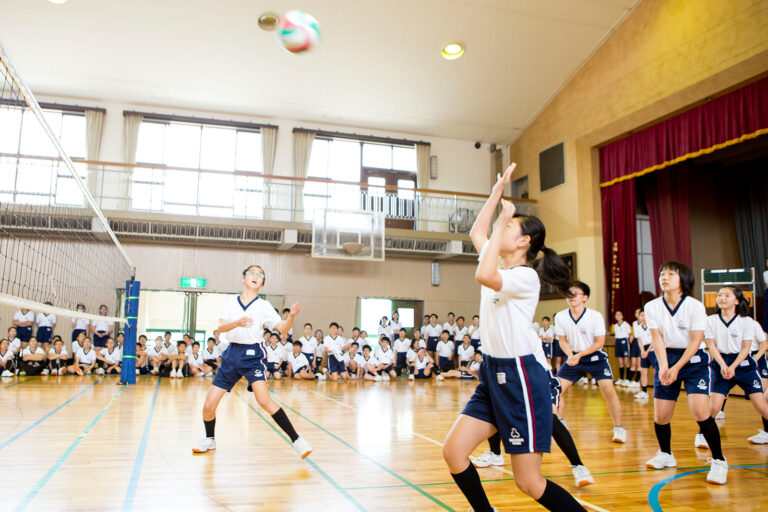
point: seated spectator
(196, 363)
(110, 358)
(423, 365)
(371, 365)
(402, 344)
(354, 362)
(275, 357)
(445, 351)
(57, 358)
(156, 356)
(211, 356)
(298, 366)
(6, 359)
(386, 357)
(85, 359)
(142, 361)
(33, 359)
(179, 361)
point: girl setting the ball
(244, 318)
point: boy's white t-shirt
(410, 355)
(195, 361)
(465, 353)
(335, 346)
(29, 316)
(44, 320)
(275, 354)
(549, 332)
(386, 357)
(28, 351)
(209, 356)
(643, 334)
(170, 350)
(113, 357)
(100, 325)
(86, 358)
(14, 345)
(371, 360)
(622, 331)
(64, 352)
(153, 351)
(459, 332)
(402, 345)
(297, 362)
(308, 345)
(580, 332)
(445, 348)
(474, 332)
(80, 324)
(433, 331)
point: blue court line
(653, 494)
(53, 469)
(325, 475)
(130, 494)
(18, 382)
(14, 438)
(374, 461)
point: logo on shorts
(702, 384)
(258, 373)
(765, 373)
(756, 385)
(515, 438)
(607, 372)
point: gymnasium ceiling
(378, 65)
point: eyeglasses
(257, 274)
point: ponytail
(742, 308)
(551, 269)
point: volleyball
(298, 31)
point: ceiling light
(58, 2)
(453, 51)
(268, 21)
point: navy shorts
(746, 376)
(446, 363)
(467, 375)
(762, 366)
(318, 362)
(272, 367)
(547, 346)
(595, 364)
(240, 360)
(386, 369)
(303, 368)
(556, 350)
(76, 332)
(695, 375)
(514, 395)
(432, 343)
(310, 357)
(24, 333)
(419, 374)
(475, 344)
(401, 361)
(622, 347)
(100, 341)
(555, 389)
(44, 334)
(647, 362)
(634, 349)
(336, 366)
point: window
(645, 271)
(199, 148)
(35, 181)
(343, 159)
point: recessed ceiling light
(58, 2)
(268, 21)
(453, 51)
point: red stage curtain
(666, 196)
(730, 119)
(620, 248)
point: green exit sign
(192, 282)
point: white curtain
(131, 125)
(302, 150)
(94, 128)
(268, 150)
(425, 209)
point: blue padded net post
(128, 373)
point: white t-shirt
(86, 358)
(433, 331)
(465, 353)
(29, 316)
(44, 320)
(765, 278)
(451, 328)
(297, 362)
(622, 331)
(580, 332)
(195, 361)
(335, 346)
(386, 357)
(730, 336)
(371, 361)
(420, 364)
(153, 351)
(275, 354)
(402, 345)
(320, 350)
(100, 325)
(170, 350)
(410, 355)
(474, 332)
(210, 356)
(386, 330)
(308, 345)
(188, 350)
(549, 333)
(5, 357)
(421, 343)
(506, 316)
(423, 330)
(759, 336)
(259, 311)
(220, 347)
(15, 345)
(28, 351)
(474, 366)
(396, 326)
(643, 334)
(358, 358)
(445, 348)
(80, 324)
(113, 357)
(63, 352)
(675, 326)
(459, 332)
(287, 348)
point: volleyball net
(56, 245)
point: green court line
(53, 469)
(756, 471)
(330, 480)
(406, 482)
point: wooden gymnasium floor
(85, 443)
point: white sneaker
(662, 460)
(179, 374)
(635, 384)
(46, 372)
(100, 371)
(718, 474)
(760, 438)
(582, 476)
(619, 435)
(385, 377)
(209, 374)
(137, 372)
(593, 381)
(200, 374)
(439, 377)
(321, 377)
(155, 371)
(302, 447)
(582, 380)
(207, 444)
(700, 441)
(54, 372)
(377, 378)
(488, 459)
(411, 377)
(642, 395)
(7, 373)
(720, 416)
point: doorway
(369, 311)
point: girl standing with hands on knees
(244, 318)
(513, 396)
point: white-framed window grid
(646, 274)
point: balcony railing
(239, 194)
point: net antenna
(56, 245)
